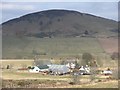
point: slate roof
(43, 67)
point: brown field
(59, 84)
(110, 45)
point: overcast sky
(13, 9)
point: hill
(55, 33)
(59, 23)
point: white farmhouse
(37, 69)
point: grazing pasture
(26, 47)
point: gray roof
(43, 67)
(59, 68)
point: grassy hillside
(26, 47)
(55, 33)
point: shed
(107, 72)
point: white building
(37, 69)
(71, 65)
(107, 72)
(84, 70)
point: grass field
(14, 47)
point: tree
(75, 74)
(86, 58)
(38, 61)
(93, 69)
(76, 64)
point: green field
(25, 47)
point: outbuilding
(41, 68)
(107, 72)
(58, 69)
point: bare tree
(75, 75)
(38, 61)
(93, 70)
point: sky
(11, 9)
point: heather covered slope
(59, 23)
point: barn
(58, 69)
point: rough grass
(14, 47)
(108, 84)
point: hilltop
(59, 23)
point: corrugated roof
(59, 68)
